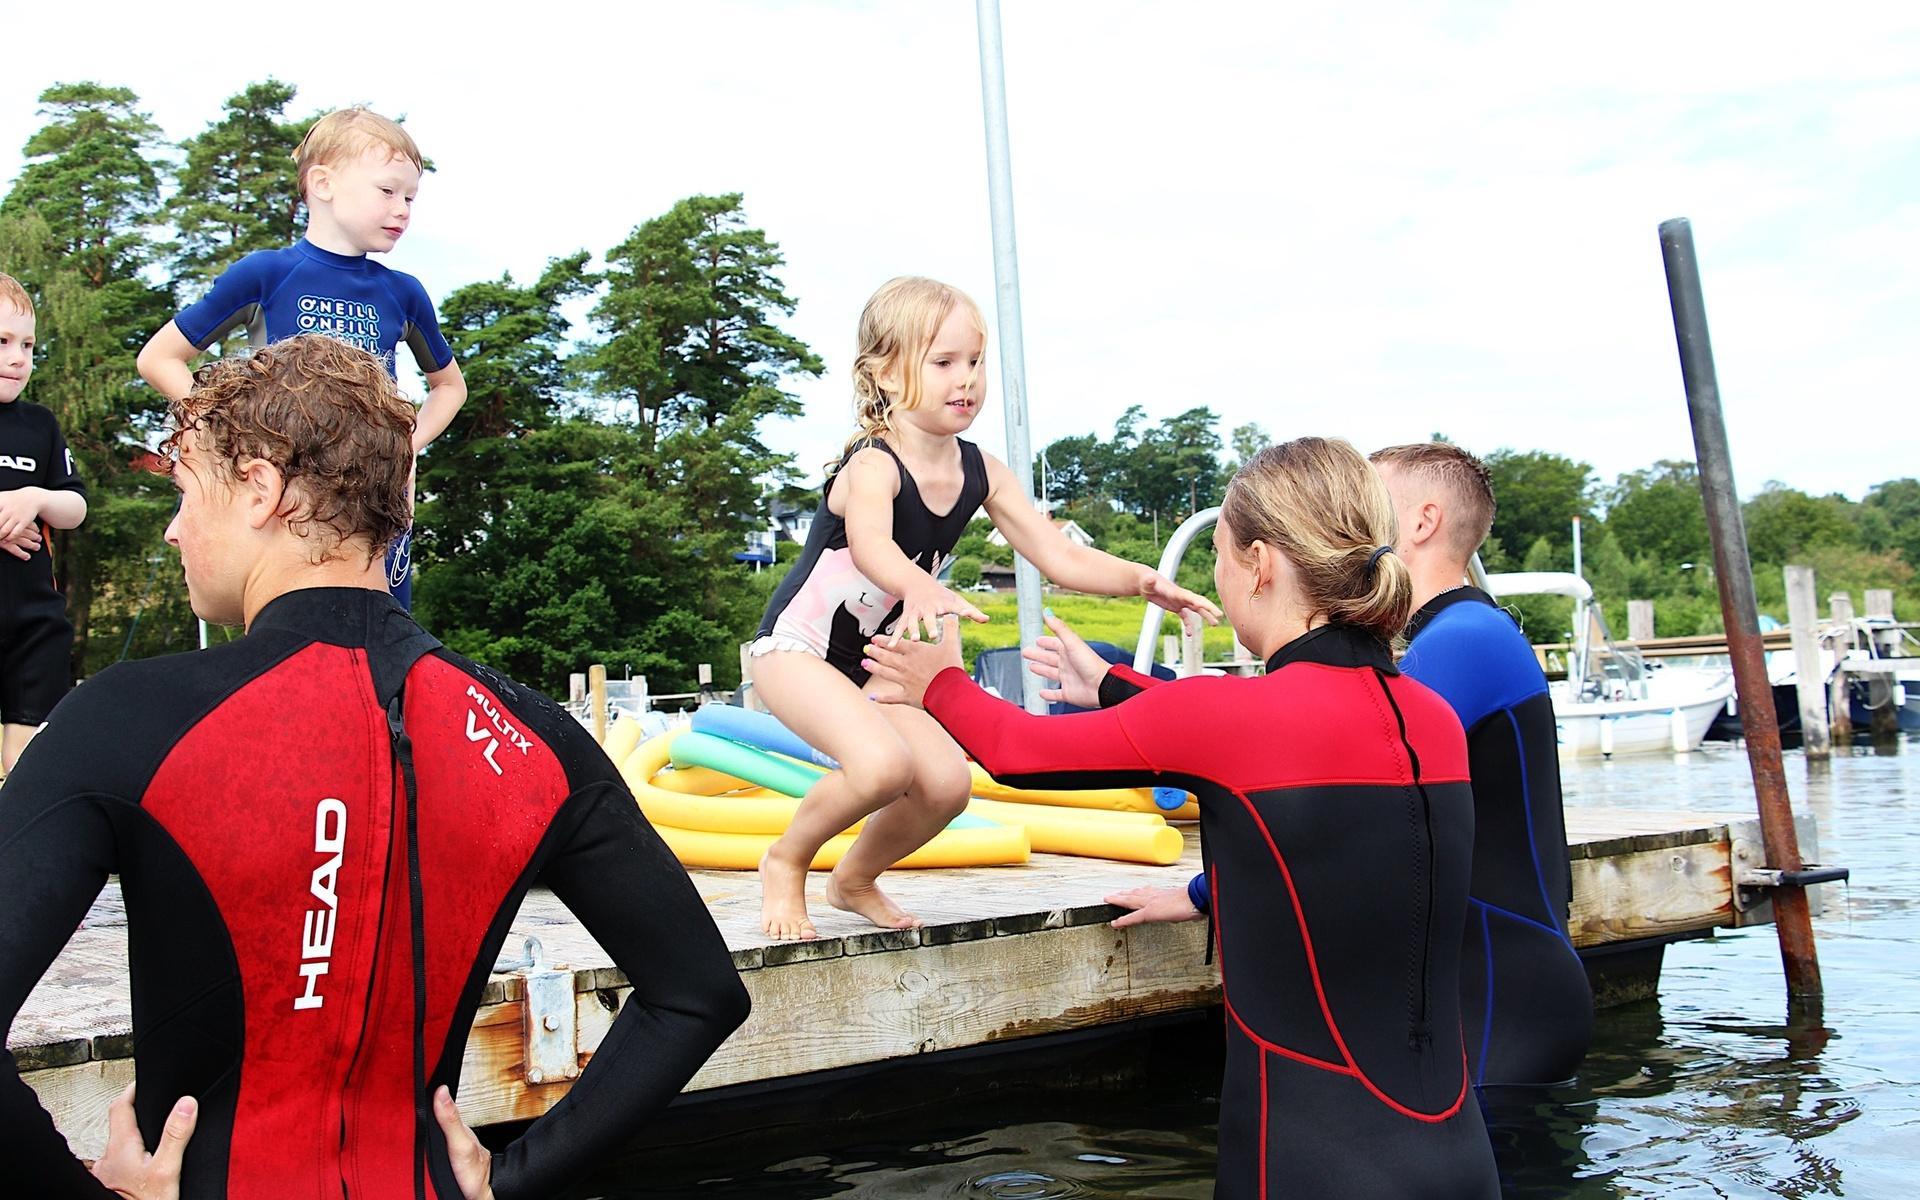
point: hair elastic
(1375, 556)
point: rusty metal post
(1734, 572)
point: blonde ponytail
(1320, 504)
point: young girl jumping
(892, 509)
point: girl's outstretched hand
(923, 607)
(1176, 599)
(1072, 665)
(904, 668)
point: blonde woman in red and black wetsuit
(1337, 824)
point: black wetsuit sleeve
(56, 850)
(637, 901)
(1121, 684)
(58, 473)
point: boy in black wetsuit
(39, 490)
(322, 832)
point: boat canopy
(1540, 583)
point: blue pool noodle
(758, 729)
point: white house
(1075, 534)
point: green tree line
(1644, 536)
(588, 501)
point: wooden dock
(1007, 953)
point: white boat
(1611, 701)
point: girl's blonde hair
(896, 328)
(346, 133)
(1316, 501)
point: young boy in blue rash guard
(358, 174)
(1525, 999)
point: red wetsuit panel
(292, 842)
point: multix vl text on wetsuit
(322, 833)
(35, 638)
(1337, 827)
(826, 606)
(1527, 1003)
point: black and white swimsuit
(825, 606)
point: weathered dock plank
(1007, 953)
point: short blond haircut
(12, 294)
(1463, 479)
(1318, 503)
(896, 327)
(347, 133)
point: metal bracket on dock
(1753, 880)
(551, 1033)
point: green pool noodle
(756, 766)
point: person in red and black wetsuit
(322, 832)
(1337, 826)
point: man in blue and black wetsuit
(322, 832)
(1525, 998)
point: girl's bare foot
(783, 900)
(867, 900)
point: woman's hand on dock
(126, 1168)
(1066, 659)
(472, 1163)
(905, 668)
(1153, 904)
(1176, 599)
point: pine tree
(76, 228)
(237, 189)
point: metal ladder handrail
(1169, 566)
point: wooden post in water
(1809, 665)
(1639, 620)
(1193, 652)
(597, 688)
(1733, 571)
(1839, 703)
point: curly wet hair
(329, 416)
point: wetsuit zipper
(1421, 1033)
(373, 974)
(410, 793)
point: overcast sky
(1365, 221)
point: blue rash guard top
(275, 294)
(1525, 999)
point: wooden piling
(597, 688)
(1733, 572)
(1192, 646)
(1639, 620)
(1839, 703)
(1810, 666)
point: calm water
(1710, 1091)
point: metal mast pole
(1006, 280)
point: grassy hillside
(1096, 618)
